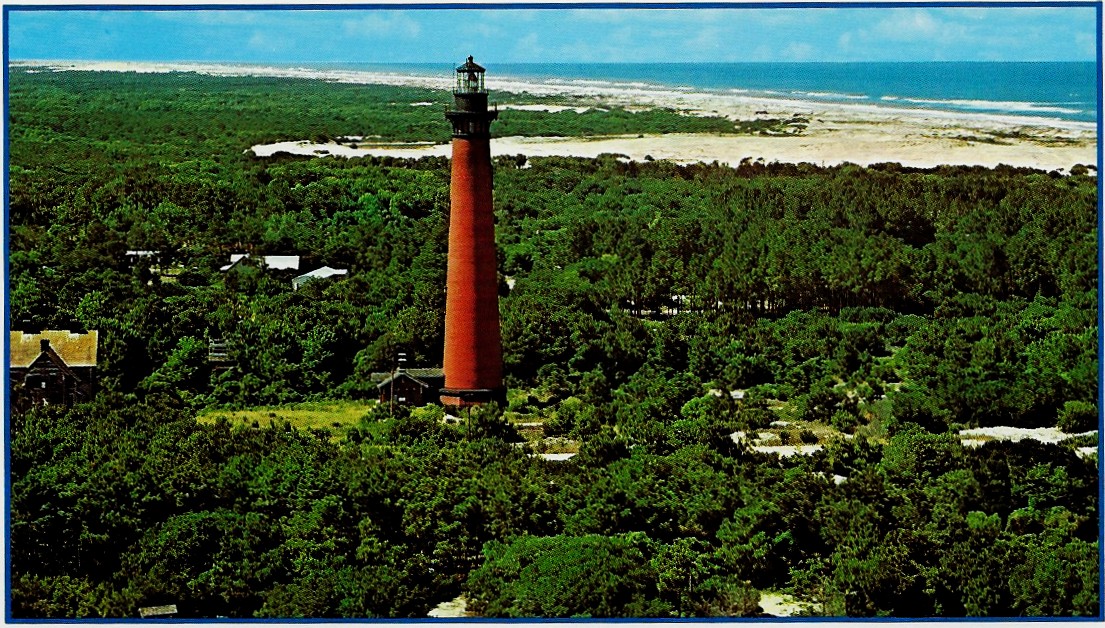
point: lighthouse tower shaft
(473, 360)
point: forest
(649, 312)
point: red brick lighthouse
(473, 361)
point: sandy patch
(546, 108)
(457, 607)
(564, 456)
(1049, 435)
(783, 605)
(314, 149)
(785, 451)
(860, 144)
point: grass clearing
(555, 445)
(333, 416)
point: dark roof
(49, 355)
(470, 66)
(429, 373)
(424, 377)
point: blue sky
(559, 35)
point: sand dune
(860, 146)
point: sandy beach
(837, 133)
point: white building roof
(321, 273)
(273, 262)
(282, 262)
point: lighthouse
(473, 361)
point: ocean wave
(598, 83)
(989, 105)
(835, 95)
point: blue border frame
(6, 340)
(1100, 334)
(817, 4)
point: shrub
(566, 576)
(1078, 416)
(843, 421)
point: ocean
(1063, 90)
(1047, 91)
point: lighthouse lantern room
(470, 116)
(469, 78)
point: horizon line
(451, 62)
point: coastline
(837, 133)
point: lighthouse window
(470, 82)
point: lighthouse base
(457, 398)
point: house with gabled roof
(411, 387)
(54, 367)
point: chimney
(44, 343)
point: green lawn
(335, 416)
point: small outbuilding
(411, 387)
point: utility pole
(401, 359)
